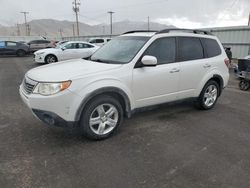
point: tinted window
(11, 44)
(163, 49)
(82, 45)
(43, 42)
(92, 41)
(211, 47)
(190, 48)
(70, 46)
(99, 40)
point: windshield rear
(120, 50)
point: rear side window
(211, 47)
(163, 49)
(99, 40)
(189, 48)
(10, 44)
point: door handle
(207, 66)
(175, 70)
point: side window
(164, 49)
(70, 46)
(211, 47)
(99, 40)
(189, 48)
(92, 41)
(82, 45)
(2, 44)
(10, 44)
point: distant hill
(51, 28)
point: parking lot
(172, 146)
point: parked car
(247, 57)
(13, 48)
(35, 45)
(99, 41)
(133, 71)
(66, 51)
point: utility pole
(249, 19)
(25, 21)
(76, 9)
(111, 22)
(18, 30)
(73, 26)
(28, 29)
(103, 30)
(61, 33)
(148, 23)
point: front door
(158, 84)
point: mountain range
(56, 28)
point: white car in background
(66, 51)
(247, 57)
(99, 41)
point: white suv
(134, 70)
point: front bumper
(39, 58)
(53, 119)
(53, 110)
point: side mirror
(63, 48)
(149, 60)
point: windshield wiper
(99, 60)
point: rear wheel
(208, 96)
(244, 85)
(20, 53)
(50, 59)
(101, 117)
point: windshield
(120, 50)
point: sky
(180, 13)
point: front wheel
(50, 59)
(20, 53)
(101, 117)
(244, 85)
(208, 96)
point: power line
(76, 9)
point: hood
(68, 70)
(48, 50)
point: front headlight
(51, 88)
(40, 53)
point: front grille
(28, 85)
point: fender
(101, 91)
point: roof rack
(195, 31)
(140, 31)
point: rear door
(84, 50)
(11, 47)
(193, 65)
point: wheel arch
(51, 54)
(117, 93)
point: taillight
(227, 62)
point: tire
(50, 59)
(208, 96)
(106, 114)
(20, 53)
(244, 85)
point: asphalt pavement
(175, 146)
